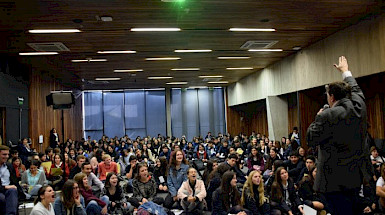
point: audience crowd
(243, 175)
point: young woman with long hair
(43, 202)
(177, 173)
(227, 199)
(214, 181)
(18, 166)
(160, 174)
(94, 205)
(255, 160)
(253, 195)
(144, 186)
(283, 195)
(307, 193)
(115, 194)
(210, 167)
(192, 193)
(33, 179)
(70, 200)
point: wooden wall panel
(292, 112)
(247, 118)
(42, 118)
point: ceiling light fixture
(192, 50)
(233, 58)
(163, 58)
(116, 52)
(128, 70)
(107, 79)
(178, 83)
(89, 60)
(252, 29)
(265, 50)
(38, 53)
(218, 82)
(159, 78)
(185, 69)
(197, 87)
(155, 29)
(239, 68)
(211, 76)
(52, 31)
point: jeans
(9, 202)
(93, 208)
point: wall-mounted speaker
(60, 100)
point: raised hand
(342, 64)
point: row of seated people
(257, 160)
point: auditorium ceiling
(202, 48)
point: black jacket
(252, 203)
(13, 181)
(293, 197)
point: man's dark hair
(14, 151)
(294, 153)
(231, 156)
(311, 157)
(85, 163)
(132, 157)
(339, 89)
(47, 150)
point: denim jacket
(174, 182)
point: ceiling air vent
(98, 82)
(258, 44)
(212, 79)
(49, 47)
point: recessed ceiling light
(38, 53)
(163, 58)
(265, 50)
(48, 31)
(116, 52)
(185, 69)
(159, 78)
(192, 50)
(211, 76)
(296, 48)
(239, 68)
(178, 83)
(251, 29)
(88, 60)
(106, 18)
(107, 79)
(155, 29)
(218, 82)
(128, 70)
(233, 58)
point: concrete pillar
(277, 117)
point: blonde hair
(249, 186)
(105, 156)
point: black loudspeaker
(60, 100)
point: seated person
(253, 195)
(43, 202)
(57, 179)
(18, 166)
(80, 159)
(283, 195)
(380, 188)
(10, 190)
(307, 193)
(309, 163)
(70, 200)
(166, 152)
(144, 188)
(255, 161)
(192, 193)
(33, 179)
(115, 194)
(210, 167)
(93, 181)
(94, 205)
(131, 172)
(106, 166)
(177, 174)
(226, 199)
(160, 174)
(201, 153)
(294, 165)
(232, 162)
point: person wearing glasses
(70, 201)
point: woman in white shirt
(43, 202)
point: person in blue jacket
(177, 174)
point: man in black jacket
(340, 132)
(10, 189)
